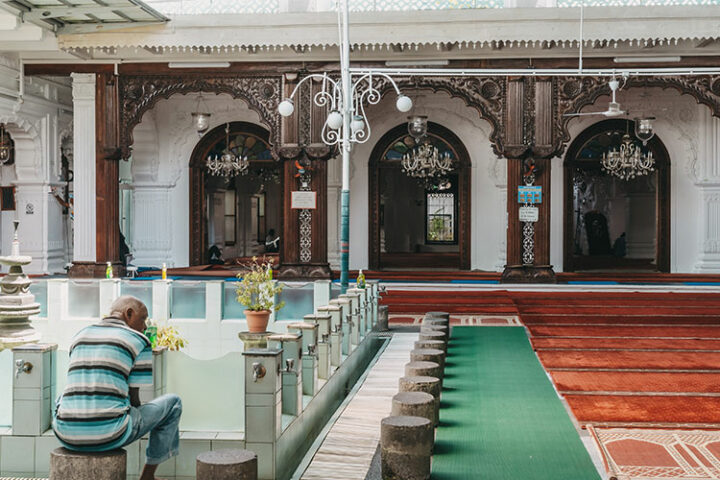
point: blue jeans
(161, 418)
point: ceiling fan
(613, 109)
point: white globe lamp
(286, 108)
(334, 120)
(403, 103)
(357, 124)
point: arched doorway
(237, 213)
(417, 225)
(611, 223)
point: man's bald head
(130, 310)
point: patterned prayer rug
(642, 454)
(476, 319)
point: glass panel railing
(6, 383)
(231, 308)
(192, 379)
(298, 300)
(84, 299)
(187, 299)
(140, 289)
(39, 289)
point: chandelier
(424, 161)
(228, 164)
(629, 161)
(6, 146)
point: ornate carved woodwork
(301, 132)
(463, 171)
(140, 93)
(571, 94)
(662, 198)
(487, 95)
(198, 201)
(298, 259)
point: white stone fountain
(17, 304)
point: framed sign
(303, 200)
(528, 214)
(529, 194)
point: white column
(84, 163)
(708, 180)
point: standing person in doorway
(272, 242)
(100, 409)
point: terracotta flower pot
(257, 320)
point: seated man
(272, 242)
(100, 409)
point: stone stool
(427, 321)
(227, 464)
(382, 320)
(405, 448)
(68, 465)
(432, 336)
(428, 355)
(423, 369)
(423, 384)
(437, 344)
(437, 328)
(444, 315)
(415, 404)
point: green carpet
(500, 417)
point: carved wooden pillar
(304, 244)
(529, 139)
(107, 225)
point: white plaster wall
(36, 123)
(488, 182)
(679, 126)
(164, 142)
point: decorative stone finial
(17, 304)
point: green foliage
(168, 337)
(256, 289)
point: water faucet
(21, 366)
(325, 337)
(290, 366)
(258, 371)
(311, 349)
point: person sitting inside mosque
(100, 409)
(272, 242)
(215, 255)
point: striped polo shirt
(106, 359)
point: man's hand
(134, 396)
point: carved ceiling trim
(574, 93)
(140, 93)
(487, 95)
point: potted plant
(256, 290)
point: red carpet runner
(630, 359)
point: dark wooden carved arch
(464, 190)
(139, 94)
(487, 95)
(574, 93)
(198, 223)
(662, 165)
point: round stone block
(427, 335)
(437, 344)
(415, 404)
(421, 383)
(444, 315)
(428, 355)
(423, 369)
(437, 328)
(68, 465)
(405, 447)
(227, 464)
(434, 321)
